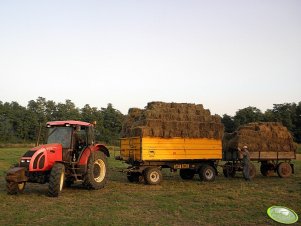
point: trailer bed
(261, 155)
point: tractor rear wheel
(13, 187)
(96, 175)
(56, 180)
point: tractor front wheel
(96, 175)
(56, 180)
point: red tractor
(69, 156)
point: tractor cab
(74, 136)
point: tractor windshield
(61, 135)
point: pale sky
(226, 55)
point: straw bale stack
(260, 136)
(160, 119)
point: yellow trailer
(148, 155)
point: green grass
(174, 202)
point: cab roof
(68, 122)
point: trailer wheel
(187, 174)
(56, 179)
(284, 170)
(152, 176)
(229, 170)
(13, 187)
(207, 173)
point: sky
(226, 55)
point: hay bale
(261, 136)
(172, 120)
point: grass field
(174, 202)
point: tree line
(19, 124)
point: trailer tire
(207, 173)
(152, 175)
(187, 174)
(284, 170)
(56, 180)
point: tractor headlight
(28, 160)
(22, 160)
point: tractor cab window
(61, 135)
(79, 138)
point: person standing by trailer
(246, 162)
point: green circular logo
(282, 214)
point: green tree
(67, 111)
(297, 123)
(229, 123)
(90, 114)
(14, 123)
(6, 126)
(50, 110)
(289, 114)
(283, 113)
(247, 115)
(111, 124)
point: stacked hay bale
(167, 120)
(260, 136)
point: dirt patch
(260, 136)
(160, 119)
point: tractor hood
(42, 157)
(47, 147)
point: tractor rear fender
(91, 149)
(103, 149)
(16, 174)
